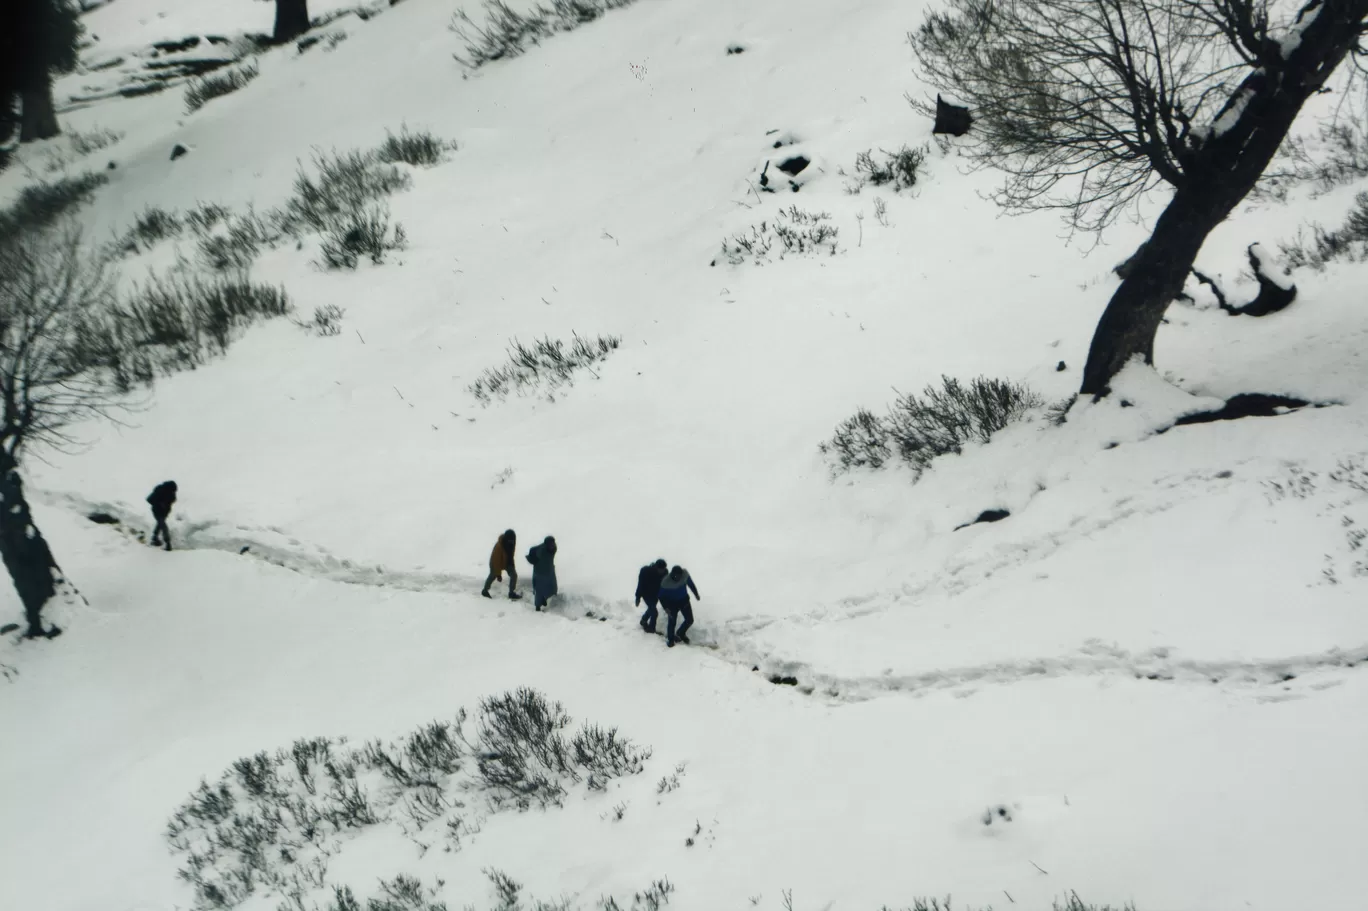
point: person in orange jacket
(501, 559)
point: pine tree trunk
(40, 115)
(292, 19)
(36, 575)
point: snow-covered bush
(215, 85)
(1348, 242)
(792, 231)
(942, 421)
(419, 148)
(544, 365)
(271, 822)
(900, 169)
(507, 33)
(365, 233)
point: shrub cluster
(172, 322)
(153, 225)
(217, 84)
(792, 232)
(918, 429)
(420, 149)
(343, 184)
(41, 204)
(507, 33)
(901, 169)
(270, 820)
(545, 365)
(1349, 242)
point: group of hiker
(659, 585)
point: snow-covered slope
(1147, 661)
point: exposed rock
(178, 151)
(988, 515)
(1247, 405)
(951, 118)
(795, 165)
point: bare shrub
(919, 429)
(366, 233)
(151, 227)
(792, 232)
(1349, 242)
(217, 84)
(901, 169)
(419, 148)
(343, 185)
(40, 205)
(544, 365)
(237, 241)
(508, 33)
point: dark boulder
(178, 151)
(951, 118)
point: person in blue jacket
(674, 597)
(543, 560)
(648, 590)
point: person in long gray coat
(543, 560)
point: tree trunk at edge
(40, 114)
(36, 575)
(292, 20)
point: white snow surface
(1159, 661)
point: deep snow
(1146, 659)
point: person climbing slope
(501, 560)
(543, 560)
(674, 597)
(648, 590)
(161, 499)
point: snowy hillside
(1146, 684)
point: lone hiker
(674, 597)
(161, 498)
(543, 560)
(501, 559)
(648, 590)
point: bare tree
(1088, 104)
(56, 301)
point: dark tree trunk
(1154, 277)
(1216, 177)
(292, 20)
(36, 575)
(39, 120)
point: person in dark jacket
(161, 498)
(648, 590)
(501, 560)
(543, 560)
(674, 597)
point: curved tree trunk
(1219, 173)
(1154, 277)
(292, 19)
(39, 120)
(36, 575)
